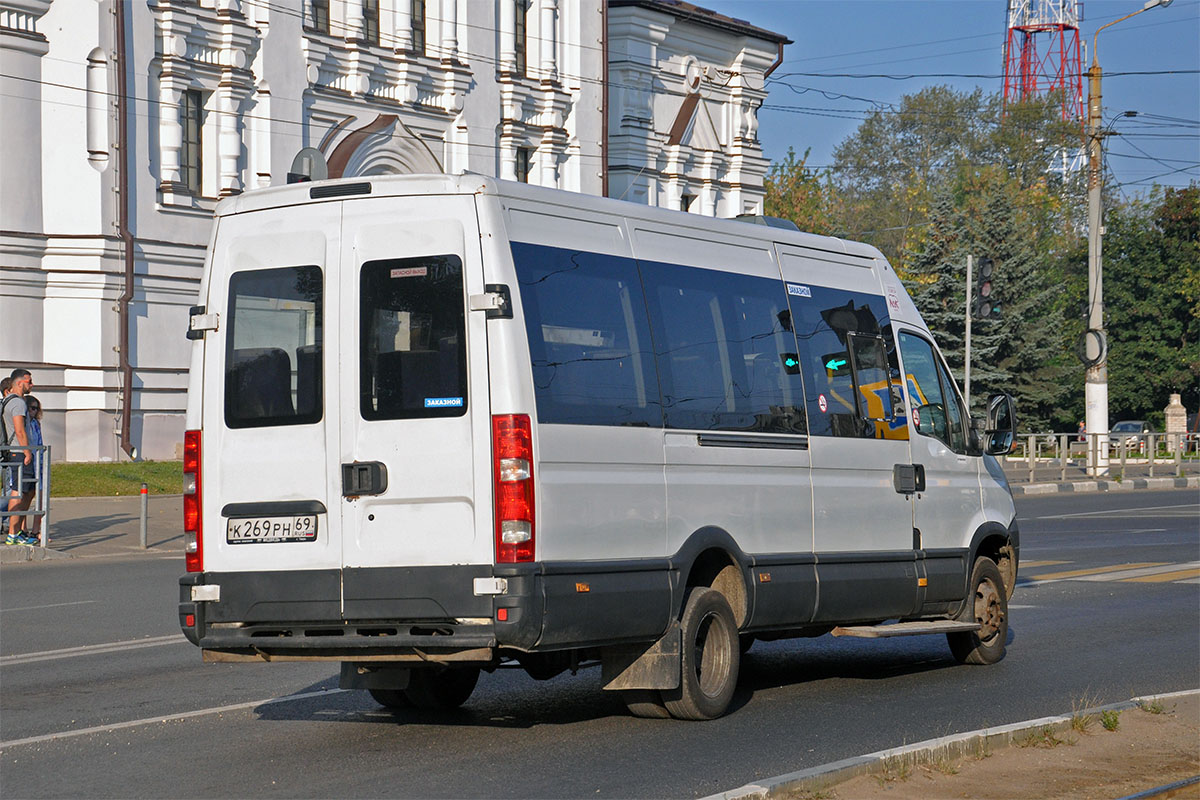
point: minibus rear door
(414, 412)
(269, 365)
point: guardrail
(12, 460)
(1067, 456)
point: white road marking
(1137, 573)
(52, 605)
(116, 726)
(91, 649)
(1136, 512)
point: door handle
(364, 477)
(908, 478)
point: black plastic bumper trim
(285, 508)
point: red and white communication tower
(1042, 53)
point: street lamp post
(1095, 388)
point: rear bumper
(373, 614)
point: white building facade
(101, 250)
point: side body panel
(866, 560)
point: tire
(709, 656)
(645, 703)
(987, 604)
(441, 688)
(390, 698)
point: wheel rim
(712, 655)
(989, 612)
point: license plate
(256, 530)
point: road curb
(1020, 490)
(826, 776)
(17, 553)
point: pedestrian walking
(41, 476)
(19, 461)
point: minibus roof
(471, 183)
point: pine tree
(1023, 352)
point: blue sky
(903, 37)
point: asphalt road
(158, 722)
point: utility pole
(967, 355)
(1095, 388)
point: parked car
(1132, 432)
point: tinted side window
(273, 351)
(589, 340)
(955, 421)
(725, 350)
(936, 409)
(413, 341)
(838, 332)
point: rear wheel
(709, 657)
(645, 703)
(441, 688)
(987, 605)
(390, 698)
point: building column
(449, 30)
(548, 34)
(21, 51)
(229, 140)
(403, 26)
(355, 22)
(508, 35)
(170, 134)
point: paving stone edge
(817, 779)
(1023, 489)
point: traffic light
(985, 305)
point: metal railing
(1119, 456)
(19, 474)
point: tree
(988, 214)
(795, 192)
(889, 170)
(1151, 278)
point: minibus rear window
(413, 339)
(273, 355)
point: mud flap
(641, 666)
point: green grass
(1111, 720)
(110, 479)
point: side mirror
(1000, 430)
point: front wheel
(987, 605)
(709, 656)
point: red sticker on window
(822, 404)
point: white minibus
(440, 424)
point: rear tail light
(193, 522)
(512, 454)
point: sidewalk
(93, 527)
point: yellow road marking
(1031, 564)
(1165, 577)
(1075, 573)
